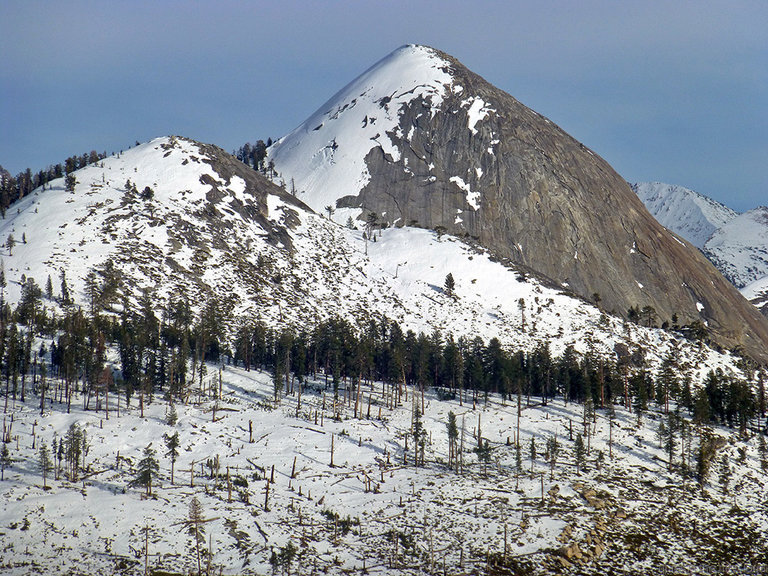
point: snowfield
(334, 488)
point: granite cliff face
(419, 140)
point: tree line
(14, 188)
(166, 351)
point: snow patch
(477, 111)
(473, 198)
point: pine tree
(59, 456)
(172, 417)
(45, 463)
(65, 298)
(450, 284)
(453, 436)
(724, 473)
(670, 438)
(611, 418)
(553, 449)
(277, 380)
(419, 437)
(701, 408)
(148, 470)
(588, 417)
(10, 242)
(70, 182)
(370, 223)
(73, 446)
(172, 444)
(579, 453)
(484, 452)
(704, 457)
(5, 460)
(196, 522)
(763, 452)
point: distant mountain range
(737, 244)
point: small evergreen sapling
(148, 470)
(172, 417)
(579, 453)
(450, 284)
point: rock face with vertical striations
(420, 140)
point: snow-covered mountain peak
(357, 119)
(740, 247)
(683, 211)
(737, 244)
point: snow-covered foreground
(331, 492)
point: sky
(665, 91)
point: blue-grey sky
(669, 91)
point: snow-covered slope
(757, 293)
(339, 488)
(740, 247)
(209, 232)
(683, 211)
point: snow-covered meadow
(329, 487)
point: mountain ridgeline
(420, 140)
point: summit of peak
(359, 118)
